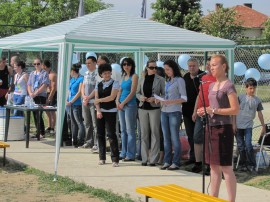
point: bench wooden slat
(4, 145)
(175, 193)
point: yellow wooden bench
(4, 145)
(175, 193)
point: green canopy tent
(108, 31)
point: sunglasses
(126, 64)
(152, 68)
(36, 64)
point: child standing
(249, 104)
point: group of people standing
(40, 86)
(159, 104)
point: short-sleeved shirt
(37, 79)
(206, 81)
(219, 100)
(174, 89)
(249, 105)
(89, 81)
(74, 86)
(106, 84)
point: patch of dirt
(17, 186)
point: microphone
(201, 74)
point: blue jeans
(77, 126)
(244, 144)
(18, 100)
(170, 123)
(127, 117)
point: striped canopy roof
(114, 30)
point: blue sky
(133, 7)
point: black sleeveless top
(4, 75)
(102, 93)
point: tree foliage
(179, 13)
(222, 23)
(38, 13)
(266, 31)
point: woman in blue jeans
(20, 84)
(175, 95)
(75, 104)
(127, 106)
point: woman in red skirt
(220, 135)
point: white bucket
(16, 128)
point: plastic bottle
(26, 101)
(9, 100)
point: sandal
(101, 162)
(115, 164)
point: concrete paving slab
(81, 166)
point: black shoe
(144, 164)
(207, 170)
(252, 169)
(152, 164)
(197, 168)
(188, 162)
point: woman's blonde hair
(223, 60)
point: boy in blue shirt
(249, 104)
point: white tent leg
(64, 66)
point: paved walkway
(81, 165)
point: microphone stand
(205, 121)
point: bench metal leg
(4, 157)
(147, 198)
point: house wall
(252, 33)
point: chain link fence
(249, 56)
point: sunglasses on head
(36, 64)
(126, 64)
(152, 68)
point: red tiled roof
(249, 17)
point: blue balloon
(264, 61)
(239, 68)
(253, 73)
(88, 54)
(183, 61)
(160, 63)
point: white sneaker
(95, 149)
(86, 145)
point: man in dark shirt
(5, 73)
(192, 89)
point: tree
(222, 23)
(179, 13)
(22, 15)
(266, 31)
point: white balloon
(183, 61)
(83, 69)
(239, 68)
(145, 60)
(75, 59)
(160, 63)
(253, 73)
(88, 54)
(116, 67)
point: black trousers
(39, 100)
(107, 123)
(189, 126)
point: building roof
(249, 17)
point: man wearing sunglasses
(37, 89)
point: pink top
(218, 100)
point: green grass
(67, 185)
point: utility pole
(143, 10)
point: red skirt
(219, 145)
